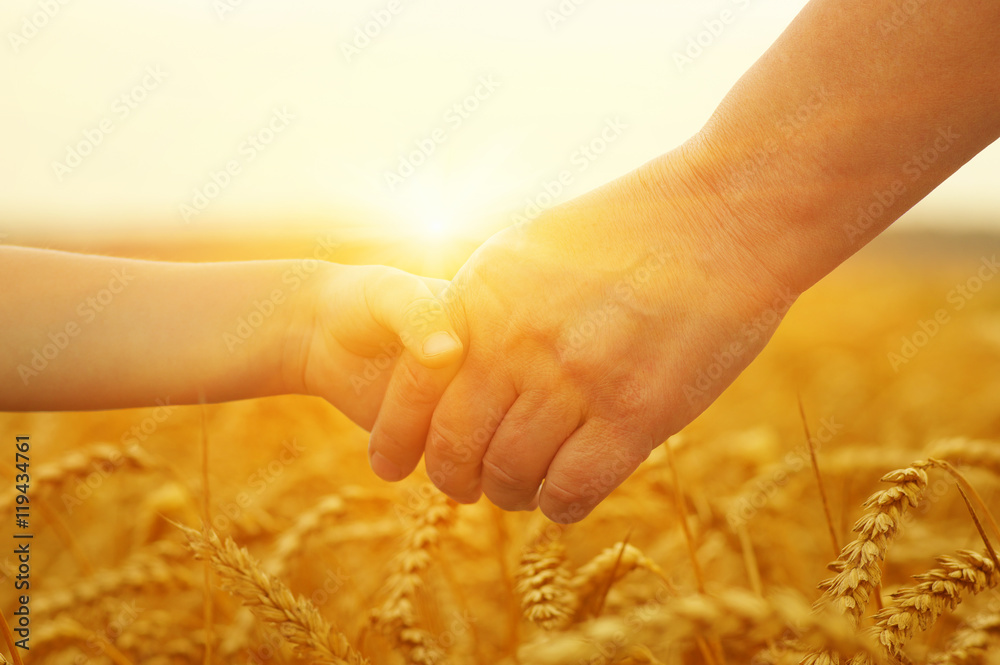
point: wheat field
(720, 549)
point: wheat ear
(968, 645)
(938, 590)
(741, 614)
(307, 523)
(972, 452)
(543, 585)
(611, 565)
(80, 463)
(858, 569)
(155, 566)
(297, 620)
(396, 617)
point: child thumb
(419, 319)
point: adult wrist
(768, 201)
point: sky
(385, 117)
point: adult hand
(610, 322)
(592, 334)
(350, 327)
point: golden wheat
(450, 590)
(101, 458)
(970, 643)
(543, 585)
(156, 567)
(858, 569)
(600, 573)
(296, 619)
(396, 617)
(968, 452)
(938, 590)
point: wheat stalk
(741, 614)
(396, 617)
(289, 542)
(156, 566)
(296, 619)
(309, 522)
(543, 585)
(158, 633)
(858, 569)
(968, 644)
(971, 452)
(81, 463)
(938, 590)
(68, 628)
(609, 566)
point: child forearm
(94, 332)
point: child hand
(357, 322)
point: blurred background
(416, 121)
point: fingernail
(385, 469)
(439, 343)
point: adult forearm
(854, 114)
(84, 332)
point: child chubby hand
(94, 332)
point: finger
(469, 413)
(524, 446)
(593, 462)
(406, 305)
(400, 429)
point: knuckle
(418, 390)
(394, 445)
(566, 504)
(503, 480)
(447, 445)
